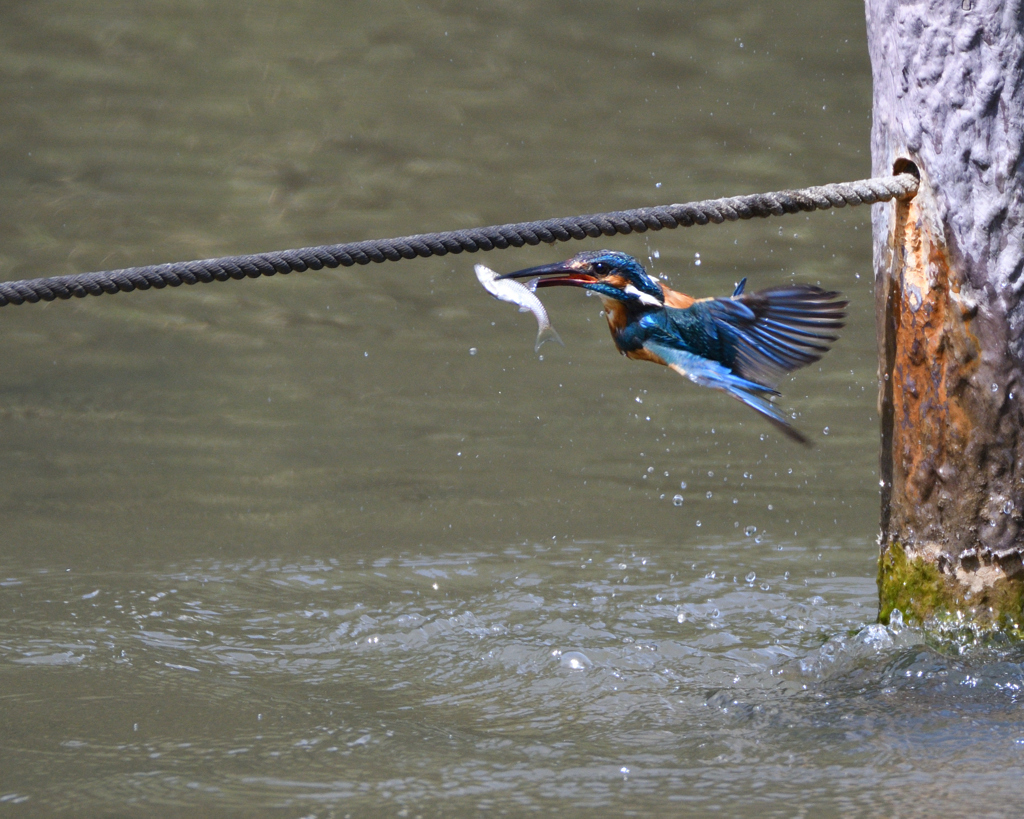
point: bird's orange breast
(643, 354)
(616, 315)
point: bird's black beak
(551, 275)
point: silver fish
(512, 291)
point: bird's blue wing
(768, 334)
(709, 373)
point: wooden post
(949, 274)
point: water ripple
(273, 669)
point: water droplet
(680, 618)
(825, 431)
(751, 577)
(709, 494)
(576, 661)
(750, 531)
(472, 350)
(639, 400)
(698, 524)
(682, 484)
(994, 388)
(677, 500)
(1007, 507)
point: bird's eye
(600, 267)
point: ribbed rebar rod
(730, 209)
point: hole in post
(903, 165)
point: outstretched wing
(709, 373)
(767, 334)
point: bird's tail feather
(769, 411)
(712, 374)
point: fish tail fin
(546, 334)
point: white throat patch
(644, 298)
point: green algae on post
(924, 594)
(914, 587)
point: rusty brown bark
(949, 98)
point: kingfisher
(742, 344)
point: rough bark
(949, 98)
